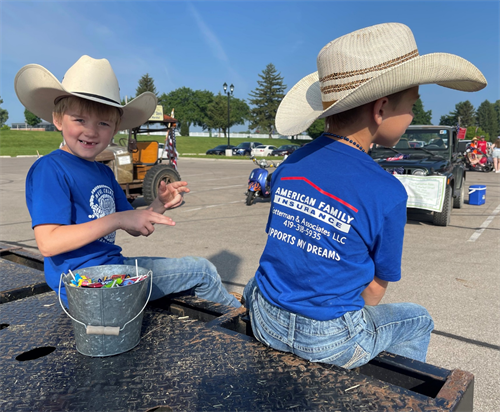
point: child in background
(76, 204)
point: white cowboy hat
(364, 66)
(91, 79)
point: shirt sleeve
(388, 250)
(48, 194)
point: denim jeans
(192, 275)
(349, 341)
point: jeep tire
(458, 201)
(443, 218)
(153, 178)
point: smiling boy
(76, 204)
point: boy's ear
(380, 110)
(57, 122)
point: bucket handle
(104, 330)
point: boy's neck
(361, 136)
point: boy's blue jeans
(189, 274)
(349, 341)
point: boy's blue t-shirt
(336, 220)
(64, 189)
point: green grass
(19, 143)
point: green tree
(129, 99)
(31, 118)
(4, 114)
(266, 98)
(316, 128)
(183, 100)
(496, 106)
(217, 113)
(146, 84)
(487, 119)
(202, 99)
(473, 132)
(463, 110)
(420, 115)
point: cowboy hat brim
(38, 89)
(302, 105)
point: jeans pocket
(351, 355)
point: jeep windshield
(435, 142)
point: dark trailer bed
(194, 355)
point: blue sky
(202, 44)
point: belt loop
(350, 325)
(291, 329)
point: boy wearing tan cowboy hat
(76, 204)
(336, 225)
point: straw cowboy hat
(91, 79)
(364, 66)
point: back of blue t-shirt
(336, 220)
(64, 189)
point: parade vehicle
(192, 355)
(428, 162)
(138, 164)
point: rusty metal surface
(18, 281)
(179, 363)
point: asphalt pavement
(453, 271)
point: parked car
(286, 149)
(219, 150)
(263, 150)
(245, 148)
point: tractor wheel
(458, 202)
(250, 197)
(443, 218)
(153, 178)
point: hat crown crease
(92, 77)
(351, 60)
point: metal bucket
(107, 321)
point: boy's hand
(141, 222)
(171, 195)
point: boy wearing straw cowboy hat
(335, 229)
(76, 204)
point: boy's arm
(56, 239)
(169, 196)
(374, 292)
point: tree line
(204, 109)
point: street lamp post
(230, 92)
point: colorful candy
(106, 281)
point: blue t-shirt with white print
(336, 220)
(63, 189)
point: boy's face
(86, 135)
(396, 119)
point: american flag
(171, 150)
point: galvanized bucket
(107, 321)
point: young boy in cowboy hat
(76, 204)
(336, 225)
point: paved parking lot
(453, 271)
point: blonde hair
(497, 142)
(109, 113)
